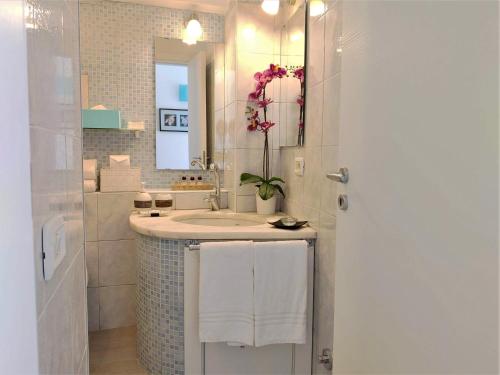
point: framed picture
(173, 120)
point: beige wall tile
(117, 262)
(328, 187)
(314, 115)
(93, 309)
(113, 213)
(316, 50)
(62, 334)
(333, 41)
(92, 261)
(312, 176)
(117, 306)
(90, 200)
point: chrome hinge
(326, 359)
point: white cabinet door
(417, 254)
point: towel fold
(119, 161)
(280, 295)
(226, 292)
(89, 186)
(90, 169)
(135, 125)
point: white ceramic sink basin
(219, 220)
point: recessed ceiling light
(317, 8)
(271, 6)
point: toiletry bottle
(164, 202)
(142, 200)
(184, 182)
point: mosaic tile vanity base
(160, 305)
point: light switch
(299, 166)
(53, 245)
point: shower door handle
(342, 176)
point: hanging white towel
(90, 169)
(280, 292)
(226, 292)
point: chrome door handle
(342, 176)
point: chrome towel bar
(194, 245)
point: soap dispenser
(142, 199)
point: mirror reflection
(184, 81)
(292, 54)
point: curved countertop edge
(165, 227)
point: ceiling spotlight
(317, 8)
(271, 6)
(193, 31)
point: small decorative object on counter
(288, 223)
(142, 199)
(164, 202)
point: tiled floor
(113, 351)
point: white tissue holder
(117, 179)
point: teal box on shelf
(101, 119)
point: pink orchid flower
(264, 103)
(265, 126)
(299, 73)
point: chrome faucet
(197, 162)
(214, 198)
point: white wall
(18, 338)
(56, 181)
(171, 147)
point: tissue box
(115, 180)
(101, 119)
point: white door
(417, 253)
(197, 107)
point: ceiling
(209, 6)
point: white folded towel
(280, 293)
(90, 169)
(89, 186)
(226, 292)
(119, 161)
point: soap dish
(280, 224)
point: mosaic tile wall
(160, 305)
(116, 46)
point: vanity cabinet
(220, 358)
(167, 302)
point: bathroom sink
(219, 220)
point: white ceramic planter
(267, 207)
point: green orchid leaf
(272, 179)
(266, 191)
(280, 189)
(248, 178)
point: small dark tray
(279, 224)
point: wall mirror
(186, 79)
(293, 89)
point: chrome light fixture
(193, 31)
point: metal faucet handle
(197, 162)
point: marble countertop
(168, 227)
